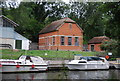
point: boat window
(90, 58)
(28, 58)
(18, 62)
(21, 57)
(96, 58)
(37, 60)
(81, 62)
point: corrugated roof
(54, 25)
(9, 33)
(9, 20)
(6, 32)
(99, 39)
(19, 37)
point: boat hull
(87, 66)
(22, 68)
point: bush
(111, 46)
(112, 59)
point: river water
(104, 74)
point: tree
(111, 46)
(33, 16)
(111, 15)
(94, 18)
(89, 18)
(111, 11)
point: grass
(46, 54)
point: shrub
(111, 46)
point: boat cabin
(91, 58)
(31, 59)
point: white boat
(88, 63)
(117, 64)
(24, 63)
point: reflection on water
(110, 74)
(106, 74)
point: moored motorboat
(25, 63)
(88, 63)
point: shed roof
(19, 36)
(97, 40)
(9, 33)
(9, 20)
(55, 25)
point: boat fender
(17, 66)
(0, 65)
(47, 69)
(33, 66)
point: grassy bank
(14, 54)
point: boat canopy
(90, 58)
(37, 60)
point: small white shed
(24, 42)
(10, 38)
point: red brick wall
(43, 44)
(96, 47)
(65, 31)
(74, 31)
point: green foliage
(112, 59)
(111, 13)
(88, 16)
(110, 46)
(34, 16)
(95, 18)
(111, 16)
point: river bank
(46, 54)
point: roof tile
(54, 25)
(99, 39)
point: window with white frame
(76, 41)
(62, 40)
(53, 40)
(69, 40)
(46, 41)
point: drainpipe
(58, 41)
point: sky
(16, 3)
(66, 1)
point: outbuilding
(95, 42)
(9, 38)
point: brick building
(63, 34)
(94, 43)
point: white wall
(14, 45)
(1, 22)
(7, 41)
(25, 44)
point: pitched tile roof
(97, 40)
(54, 25)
